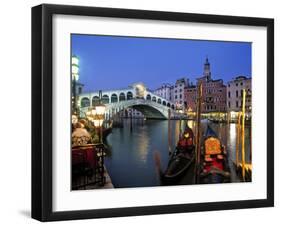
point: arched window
(159, 101)
(114, 98)
(95, 100)
(148, 97)
(122, 97)
(105, 99)
(164, 103)
(154, 99)
(168, 105)
(129, 95)
(85, 102)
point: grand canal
(130, 155)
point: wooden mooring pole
(198, 134)
(169, 132)
(243, 134)
(238, 139)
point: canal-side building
(177, 93)
(234, 95)
(213, 93)
(190, 95)
(164, 91)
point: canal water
(131, 149)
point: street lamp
(75, 77)
(96, 116)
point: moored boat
(181, 159)
(214, 166)
(107, 130)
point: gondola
(181, 159)
(107, 131)
(214, 167)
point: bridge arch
(114, 98)
(129, 95)
(95, 100)
(150, 109)
(159, 101)
(148, 97)
(122, 97)
(85, 102)
(105, 99)
(154, 99)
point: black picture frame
(42, 111)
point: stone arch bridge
(136, 96)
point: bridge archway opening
(114, 98)
(122, 97)
(149, 112)
(154, 99)
(95, 100)
(85, 102)
(159, 101)
(164, 103)
(129, 95)
(168, 105)
(105, 99)
(148, 97)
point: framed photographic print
(146, 112)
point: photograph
(149, 112)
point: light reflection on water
(130, 161)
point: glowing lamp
(97, 122)
(93, 111)
(100, 109)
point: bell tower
(207, 70)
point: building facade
(235, 93)
(190, 96)
(177, 93)
(213, 93)
(164, 91)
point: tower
(207, 70)
(75, 77)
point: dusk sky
(108, 62)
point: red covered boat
(214, 158)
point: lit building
(164, 91)
(235, 92)
(190, 95)
(177, 93)
(213, 93)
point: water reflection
(130, 160)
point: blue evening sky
(108, 62)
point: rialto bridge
(136, 96)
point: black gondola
(180, 160)
(214, 167)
